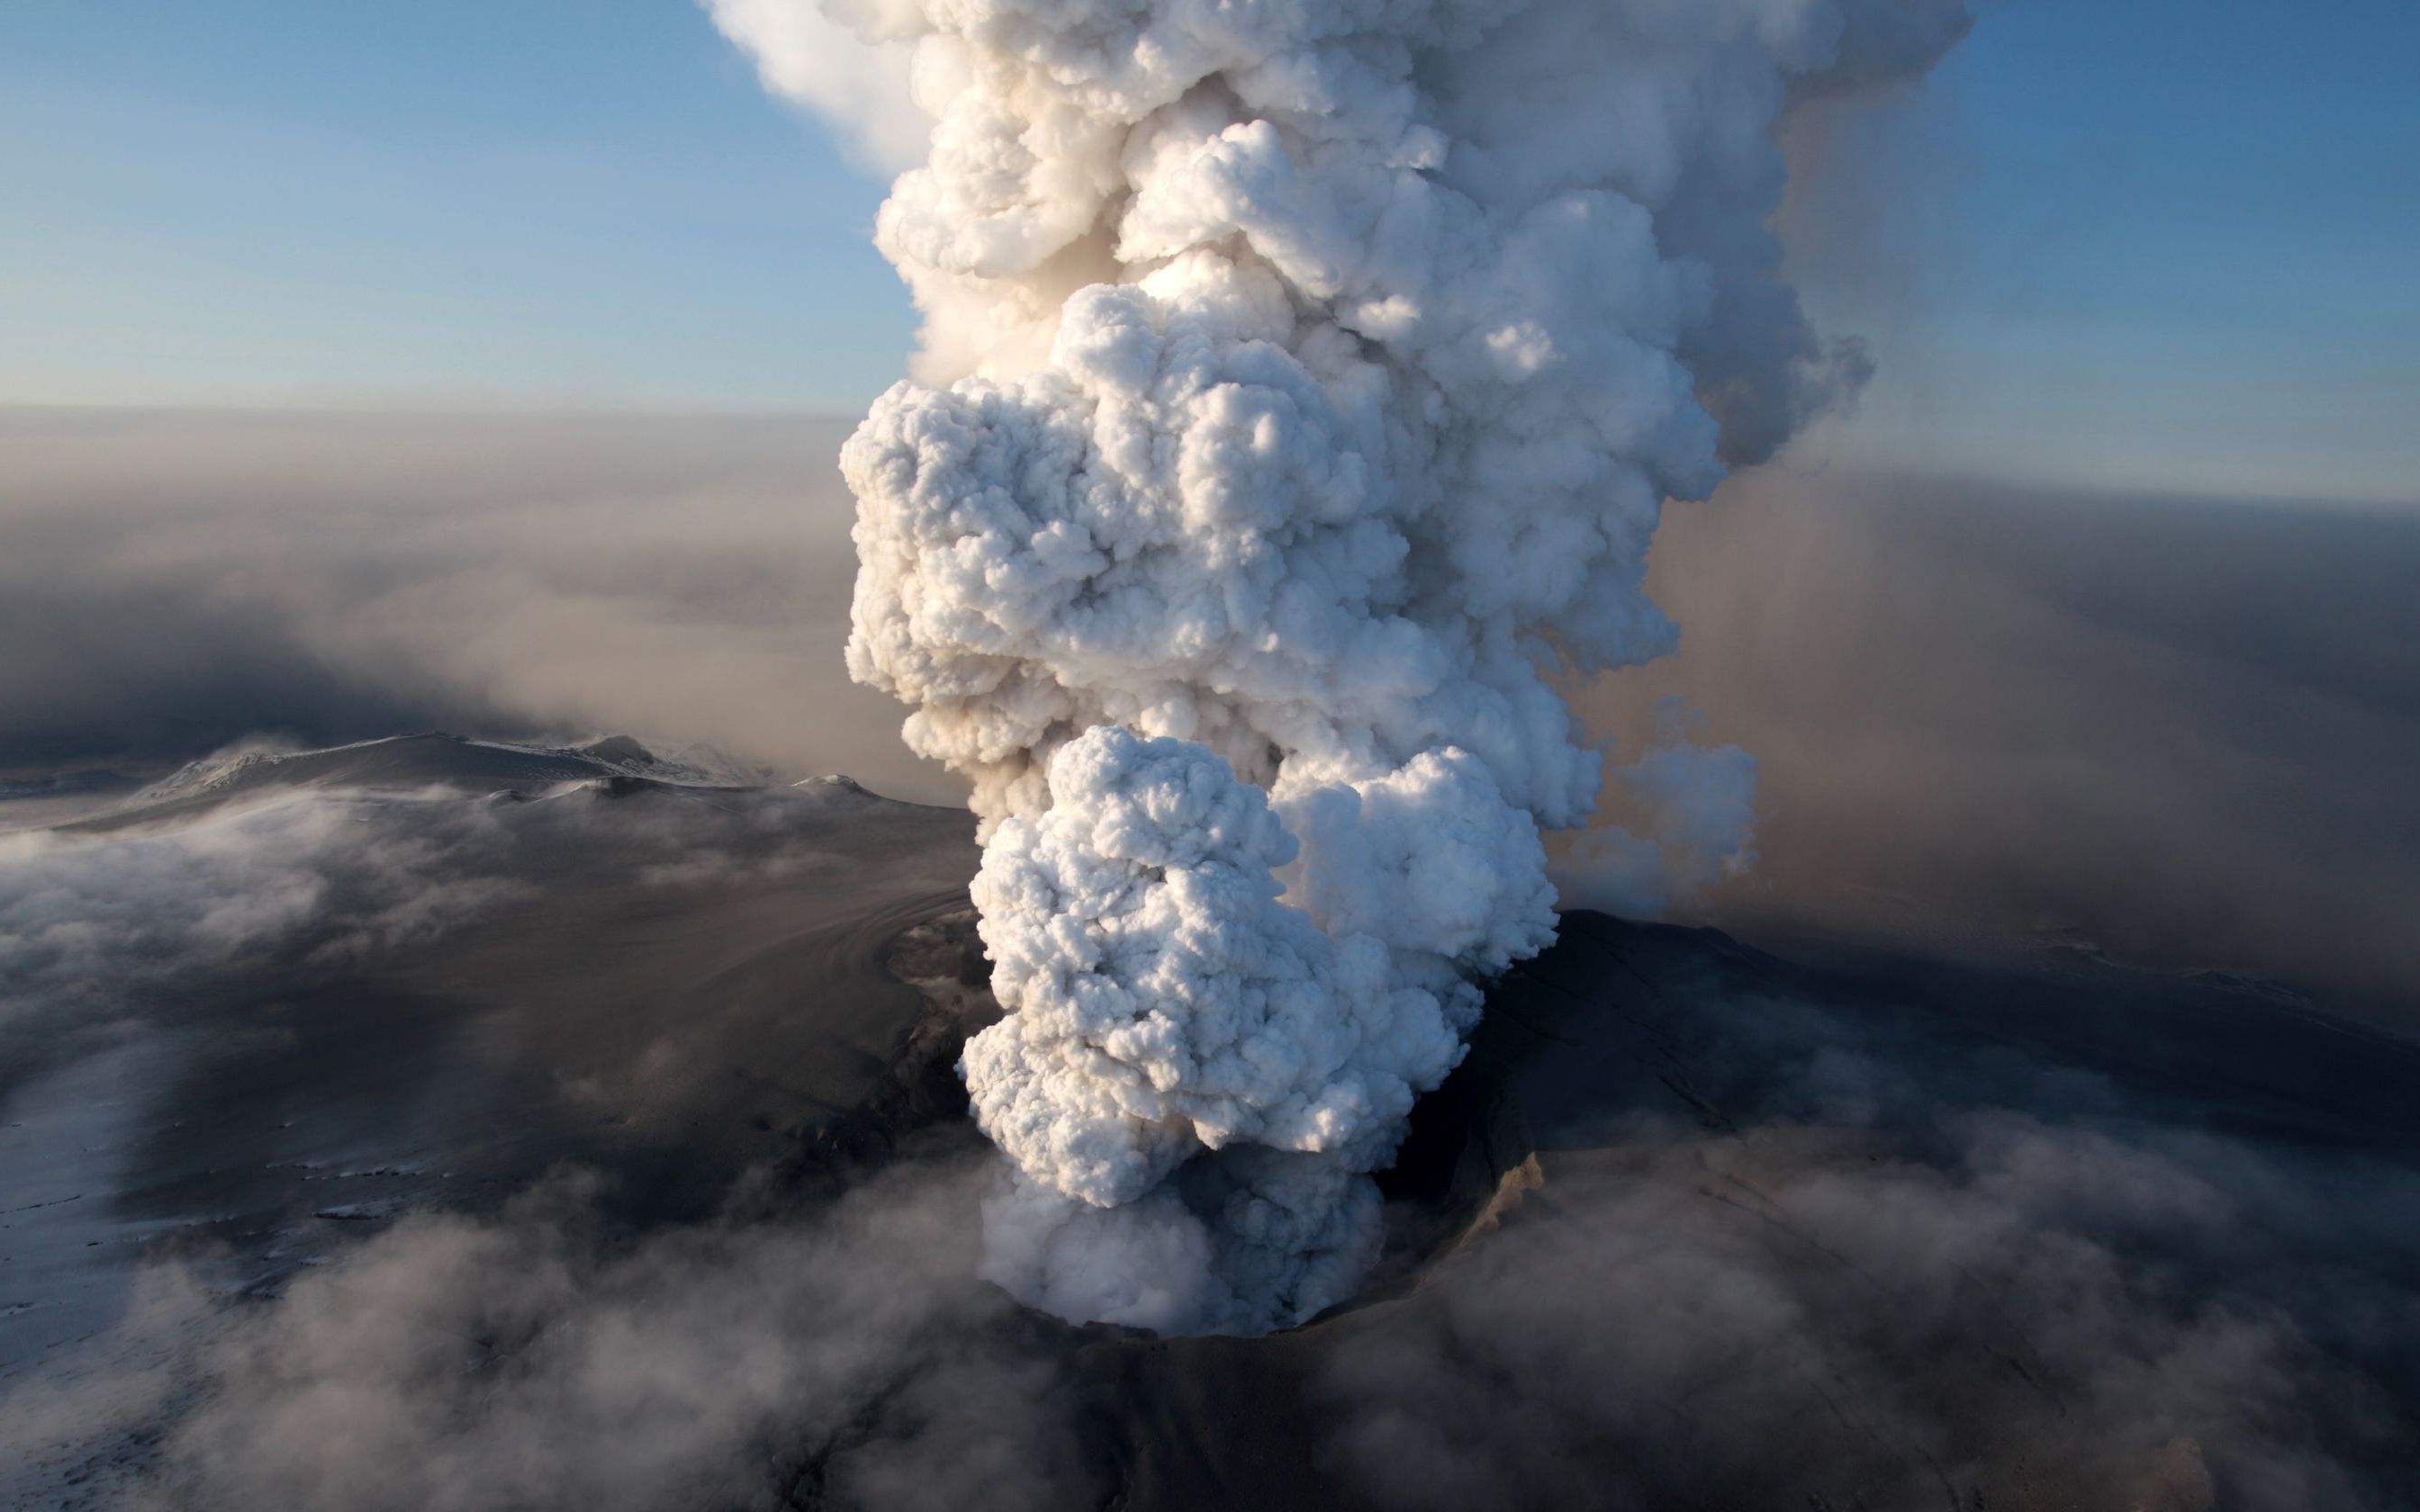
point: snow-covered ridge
(436, 759)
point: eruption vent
(1304, 381)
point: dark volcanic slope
(1695, 1227)
(1691, 1227)
(550, 959)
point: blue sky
(2142, 244)
(2159, 243)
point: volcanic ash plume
(1315, 371)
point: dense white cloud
(1163, 1002)
(861, 87)
(1316, 375)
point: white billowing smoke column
(1319, 369)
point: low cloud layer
(299, 882)
(1901, 1238)
(1919, 1265)
(1939, 1265)
(297, 1010)
(169, 918)
(2064, 1317)
(528, 1360)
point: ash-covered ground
(443, 1124)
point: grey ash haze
(176, 581)
(2168, 730)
